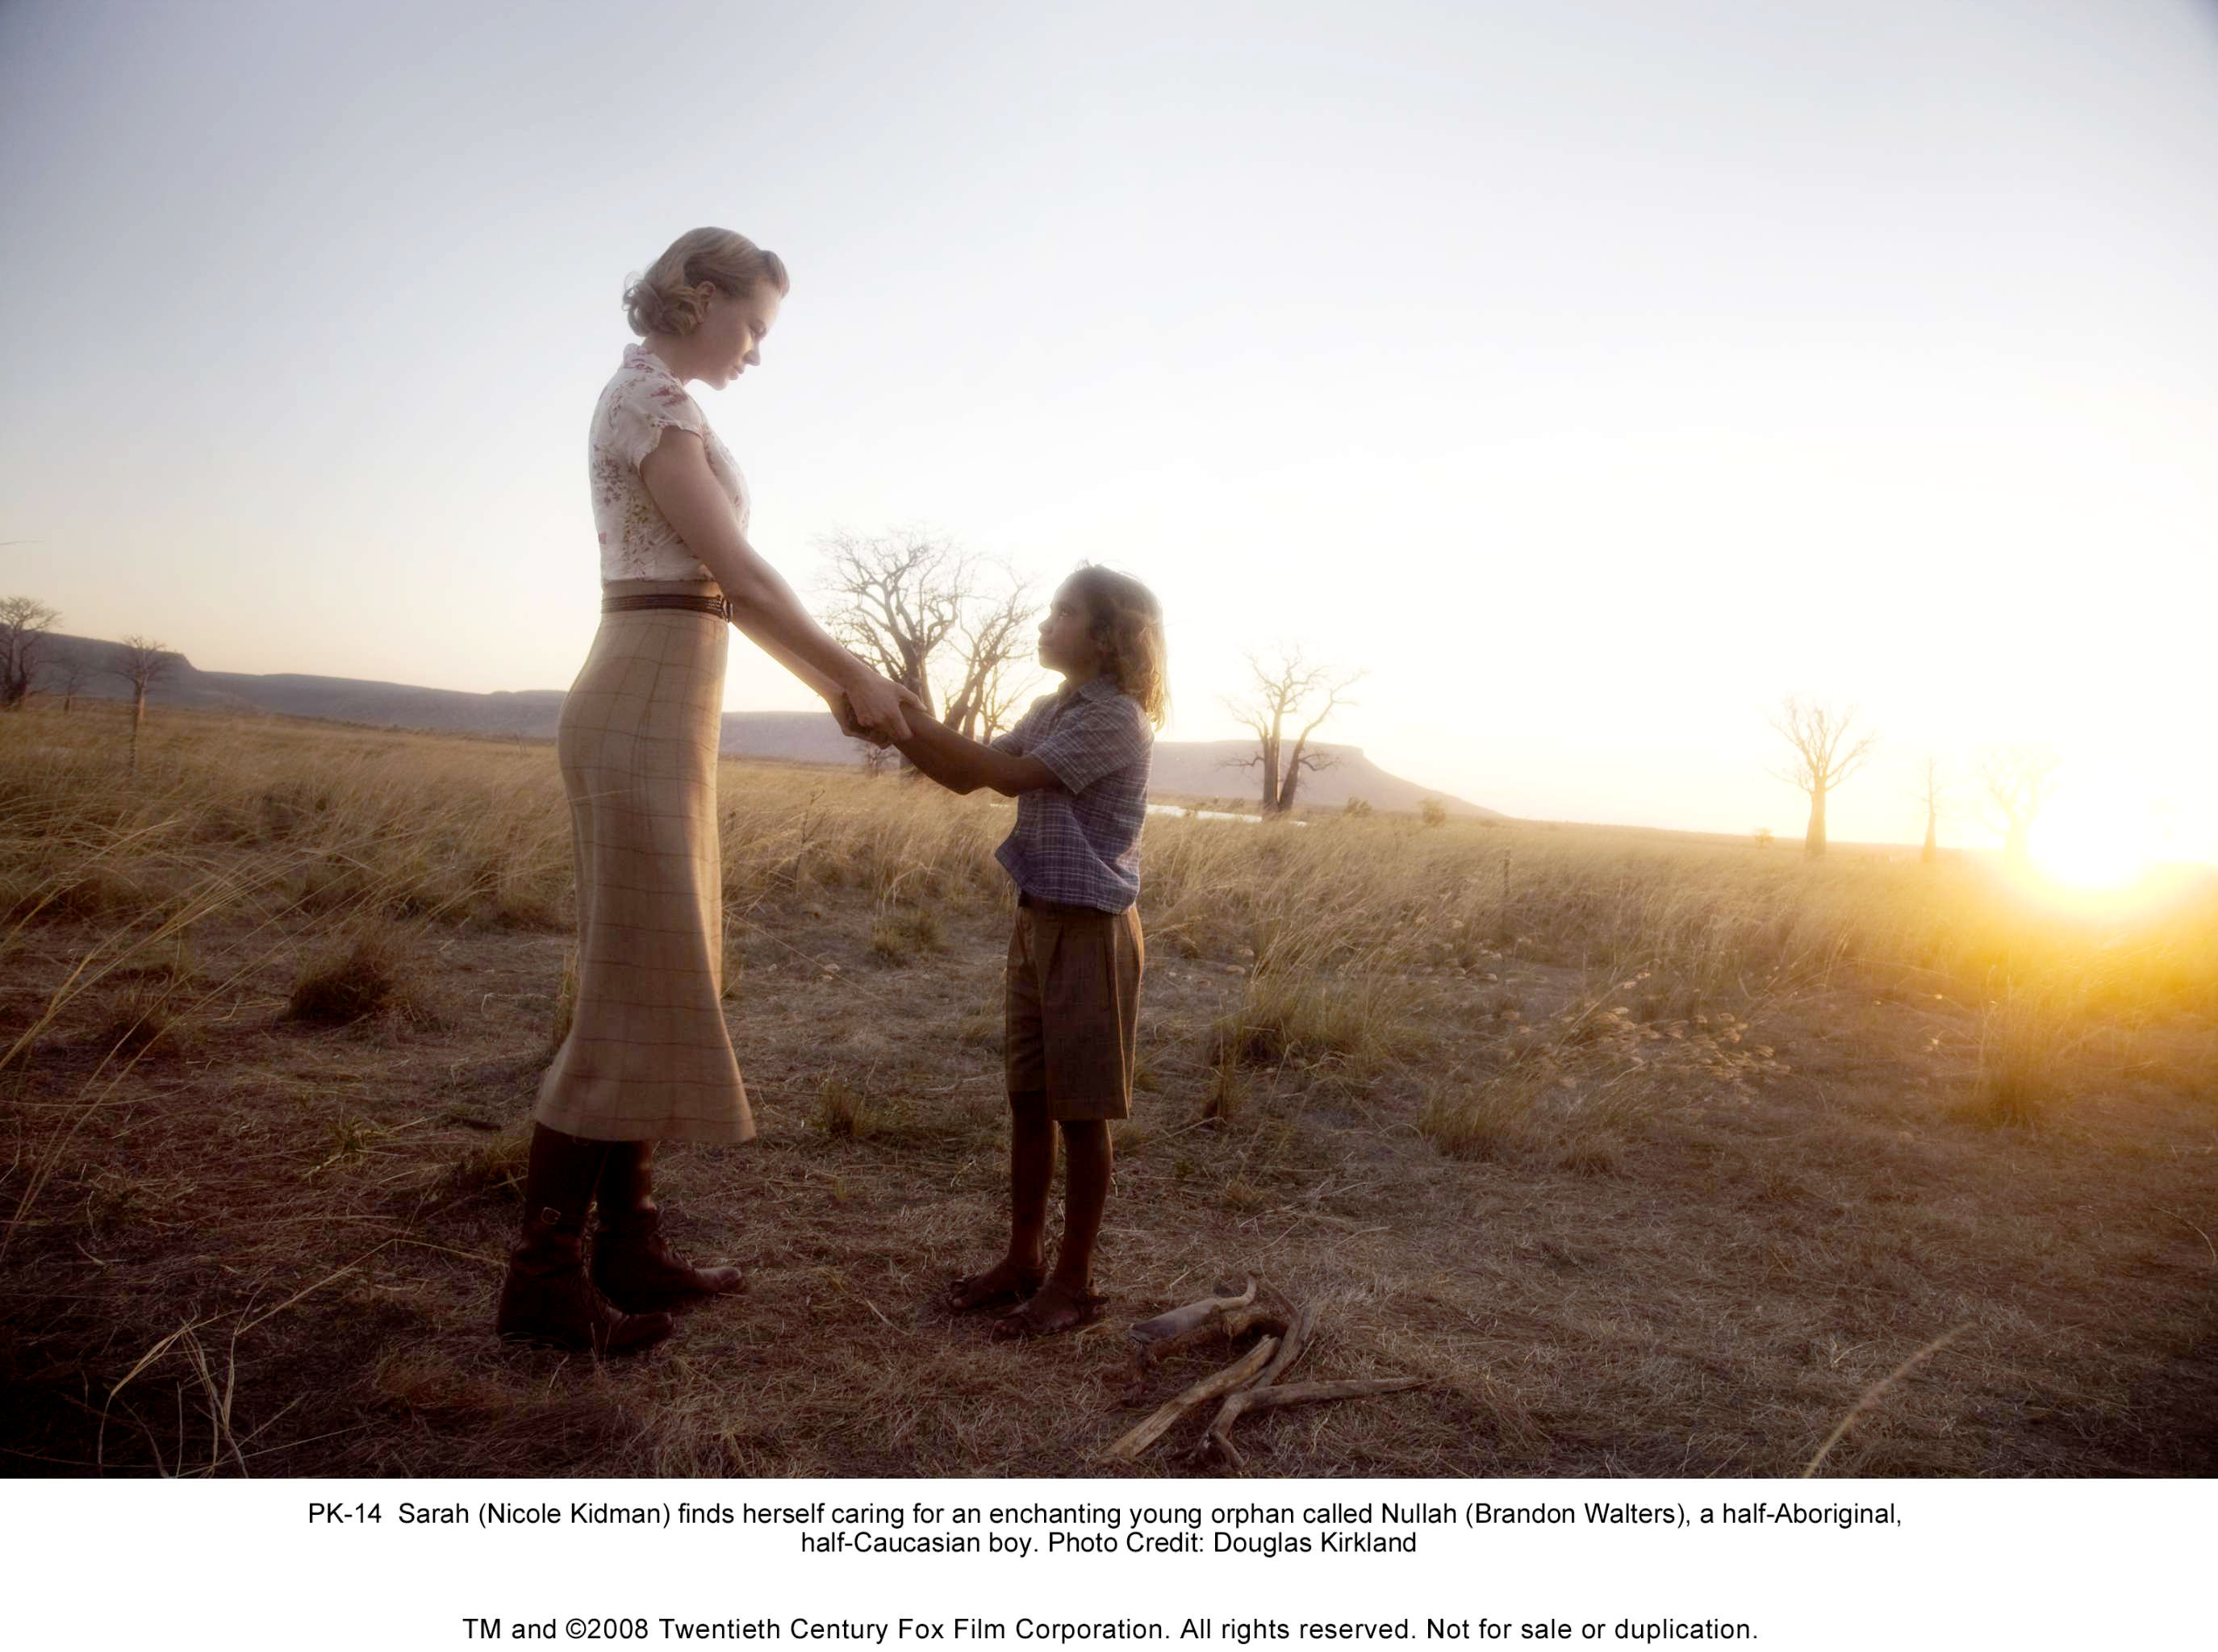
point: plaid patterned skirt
(649, 1055)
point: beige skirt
(649, 1055)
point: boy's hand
(844, 713)
(877, 704)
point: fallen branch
(1250, 1383)
(1277, 1316)
(1149, 1338)
(1259, 1398)
(1166, 1415)
(1293, 1343)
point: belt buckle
(724, 610)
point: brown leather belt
(721, 607)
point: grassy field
(1652, 1155)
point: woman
(647, 1054)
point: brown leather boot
(632, 1264)
(546, 1297)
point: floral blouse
(642, 401)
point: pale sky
(1593, 374)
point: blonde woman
(648, 1056)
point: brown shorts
(1073, 1004)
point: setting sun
(2084, 844)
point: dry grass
(1656, 1155)
(2027, 1065)
(364, 976)
(907, 932)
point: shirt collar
(636, 354)
(1092, 689)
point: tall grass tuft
(842, 1112)
(906, 930)
(2025, 1062)
(352, 979)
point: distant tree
(1288, 694)
(1933, 796)
(2018, 781)
(1432, 811)
(1763, 837)
(1827, 749)
(876, 758)
(1356, 808)
(992, 640)
(898, 598)
(948, 626)
(144, 663)
(66, 676)
(24, 623)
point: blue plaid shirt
(1078, 844)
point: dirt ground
(261, 1245)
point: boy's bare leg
(1031, 1174)
(1087, 1159)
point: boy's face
(1064, 644)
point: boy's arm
(964, 765)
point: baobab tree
(144, 663)
(1288, 694)
(2018, 781)
(928, 615)
(1932, 795)
(24, 623)
(1827, 748)
(991, 641)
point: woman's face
(729, 341)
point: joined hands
(879, 720)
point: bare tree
(144, 663)
(24, 623)
(2018, 781)
(991, 638)
(928, 615)
(66, 676)
(1289, 693)
(1827, 748)
(1932, 795)
(898, 598)
(876, 758)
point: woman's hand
(876, 704)
(836, 701)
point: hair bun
(652, 309)
(673, 295)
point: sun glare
(2079, 845)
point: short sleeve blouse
(637, 406)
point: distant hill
(1184, 769)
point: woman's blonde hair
(1124, 617)
(674, 293)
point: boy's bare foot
(1006, 1282)
(1052, 1310)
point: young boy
(1077, 765)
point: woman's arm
(964, 765)
(764, 606)
(835, 697)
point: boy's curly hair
(1124, 617)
